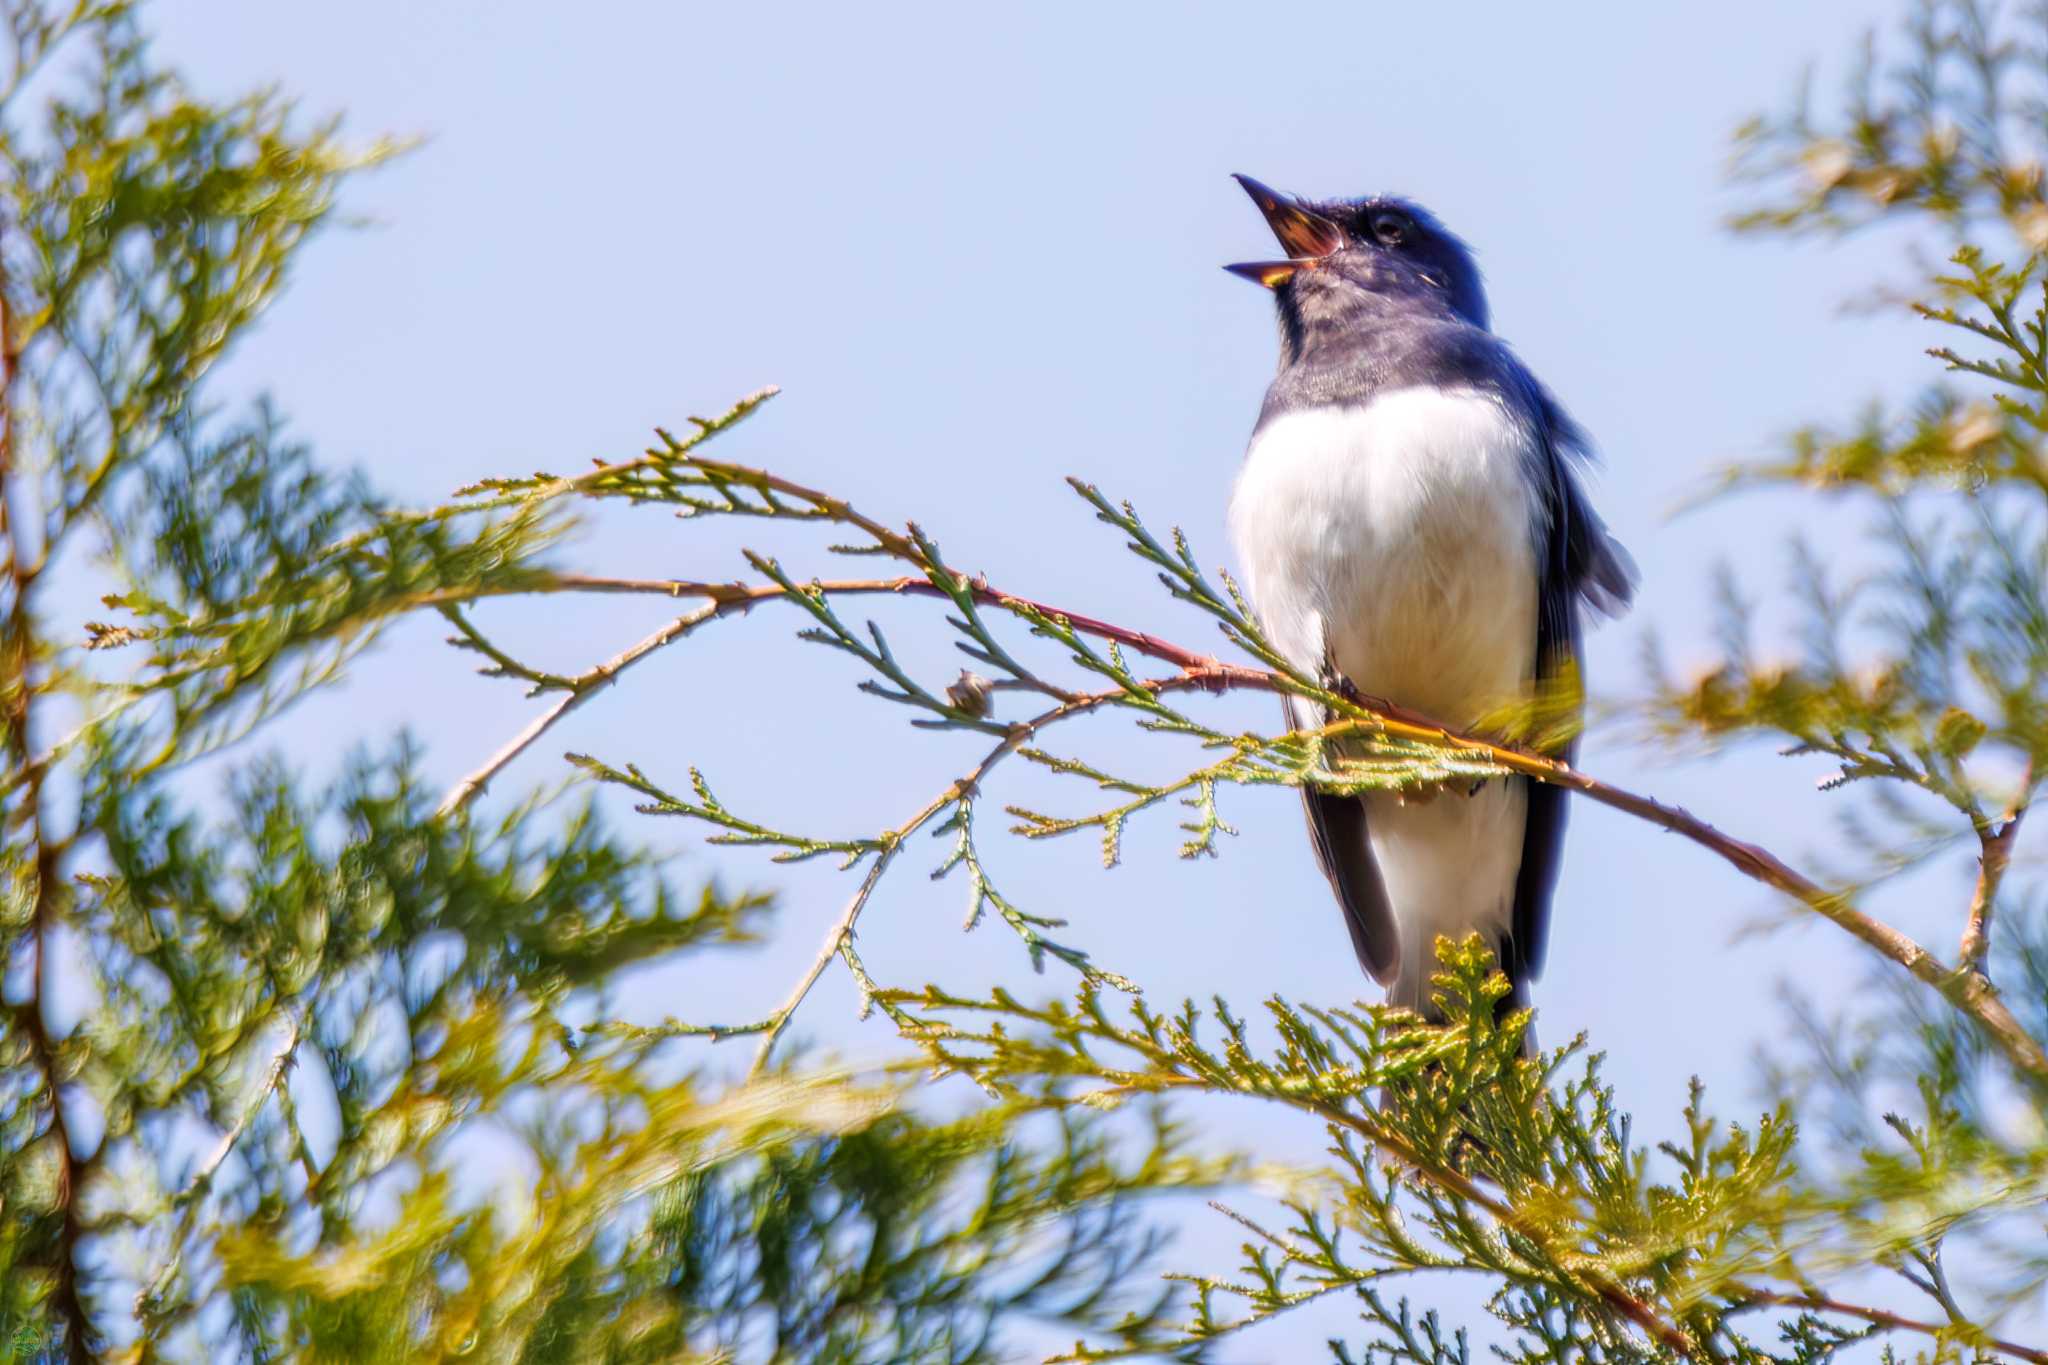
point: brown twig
(835, 941)
(579, 689)
(192, 1198)
(1997, 844)
(740, 596)
(1888, 1320)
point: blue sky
(978, 248)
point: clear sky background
(979, 250)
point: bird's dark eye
(1390, 228)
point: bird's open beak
(1308, 236)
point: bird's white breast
(1397, 540)
(1398, 537)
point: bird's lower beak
(1307, 235)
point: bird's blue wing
(1336, 828)
(1581, 566)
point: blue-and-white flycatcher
(1411, 526)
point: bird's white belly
(1396, 540)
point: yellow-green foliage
(445, 972)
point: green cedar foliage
(442, 972)
(179, 979)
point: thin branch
(727, 599)
(502, 665)
(835, 941)
(1997, 843)
(580, 689)
(473, 785)
(740, 596)
(193, 1196)
(196, 1187)
(1890, 1321)
(1937, 1285)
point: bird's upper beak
(1307, 235)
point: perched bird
(1411, 527)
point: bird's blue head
(1344, 252)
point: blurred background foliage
(188, 981)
